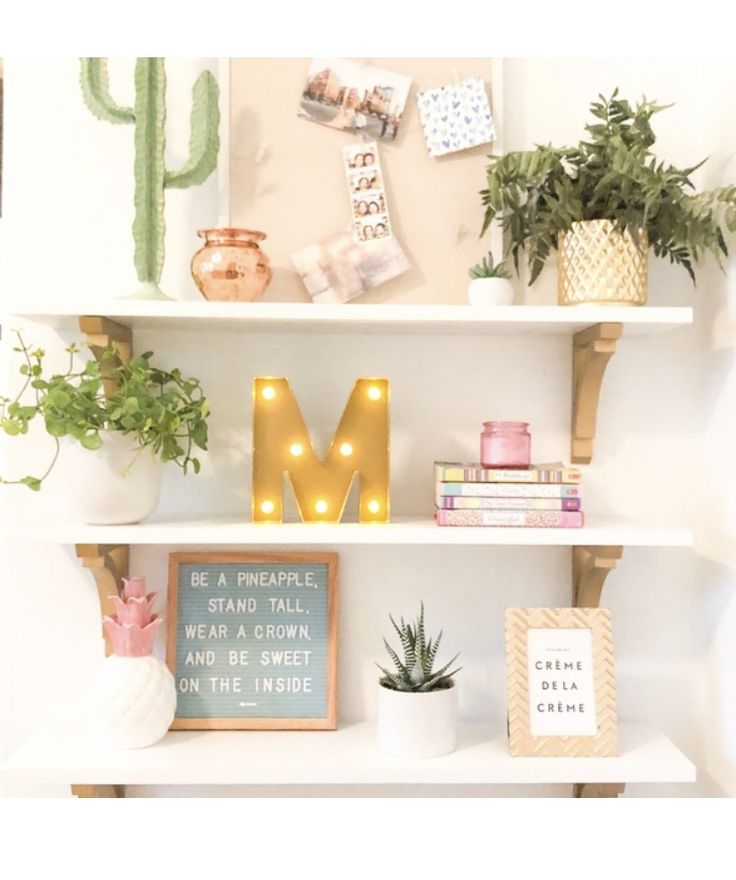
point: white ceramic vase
(491, 292)
(115, 484)
(133, 702)
(417, 725)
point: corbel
(590, 568)
(592, 349)
(102, 333)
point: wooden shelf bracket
(592, 348)
(598, 789)
(590, 568)
(108, 564)
(101, 333)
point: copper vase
(230, 265)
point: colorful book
(454, 502)
(533, 519)
(507, 490)
(447, 472)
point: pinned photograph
(365, 180)
(345, 94)
(456, 117)
(340, 268)
(368, 201)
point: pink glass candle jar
(505, 445)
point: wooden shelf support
(98, 791)
(598, 789)
(592, 348)
(101, 333)
(108, 564)
(590, 568)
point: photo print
(367, 199)
(346, 94)
(364, 180)
(456, 117)
(340, 268)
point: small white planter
(114, 485)
(491, 292)
(416, 725)
(132, 703)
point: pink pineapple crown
(132, 628)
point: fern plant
(415, 673)
(488, 269)
(610, 175)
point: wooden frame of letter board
(604, 744)
(329, 722)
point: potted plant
(491, 284)
(417, 706)
(603, 204)
(120, 438)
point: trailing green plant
(152, 178)
(415, 672)
(160, 409)
(488, 269)
(610, 175)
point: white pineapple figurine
(134, 701)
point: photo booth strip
(368, 203)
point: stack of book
(542, 496)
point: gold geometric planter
(600, 264)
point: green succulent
(160, 409)
(415, 673)
(610, 175)
(488, 269)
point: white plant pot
(491, 292)
(416, 725)
(114, 485)
(132, 703)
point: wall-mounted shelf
(361, 318)
(345, 756)
(600, 531)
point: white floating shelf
(362, 318)
(345, 756)
(602, 531)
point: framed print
(561, 682)
(252, 640)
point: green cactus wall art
(152, 178)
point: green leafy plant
(152, 178)
(415, 673)
(610, 175)
(160, 409)
(488, 269)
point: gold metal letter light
(282, 444)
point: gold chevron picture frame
(522, 743)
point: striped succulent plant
(415, 673)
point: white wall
(666, 404)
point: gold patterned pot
(230, 265)
(600, 264)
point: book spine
(449, 473)
(455, 502)
(507, 490)
(535, 519)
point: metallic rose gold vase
(230, 265)
(599, 264)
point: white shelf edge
(233, 530)
(361, 318)
(345, 756)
